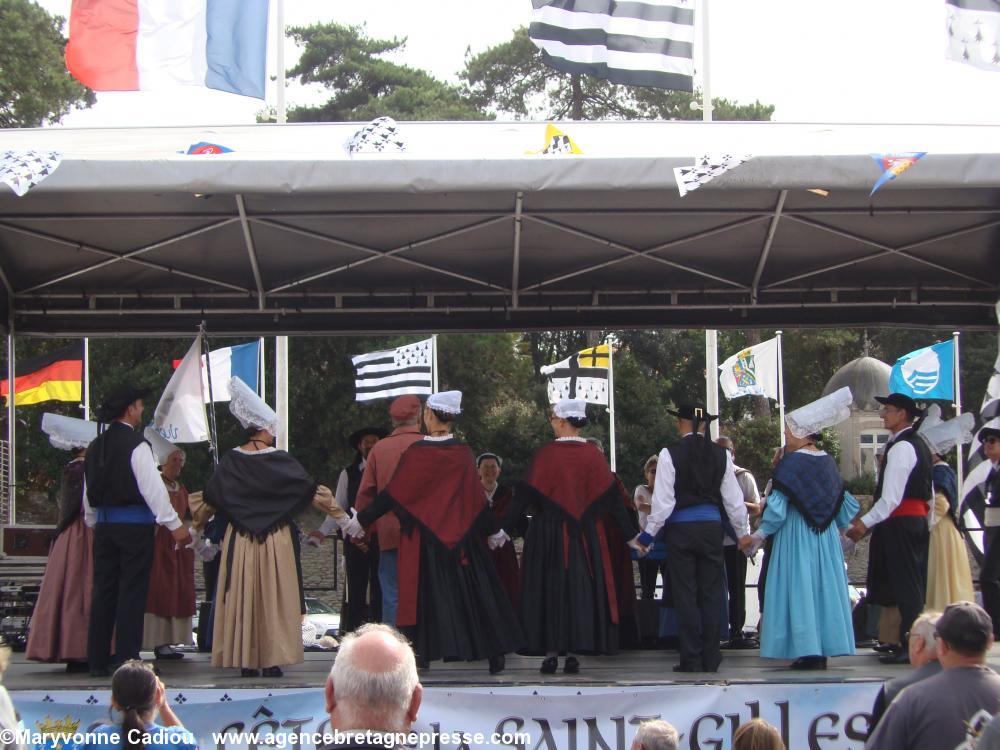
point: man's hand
(746, 544)
(857, 530)
(182, 537)
(638, 546)
(315, 538)
(753, 510)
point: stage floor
(629, 668)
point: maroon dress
(171, 599)
(505, 558)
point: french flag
(132, 45)
(240, 360)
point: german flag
(56, 376)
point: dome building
(862, 436)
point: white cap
(941, 436)
(813, 418)
(67, 433)
(162, 448)
(250, 409)
(570, 407)
(449, 402)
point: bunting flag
(977, 466)
(380, 135)
(926, 374)
(632, 42)
(204, 147)
(706, 168)
(751, 372)
(893, 165)
(180, 414)
(394, 372)
(973, 28)
(583, 375)
(557, 142)
(22, 170)
(56, 376)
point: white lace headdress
(814, 417)
(66, 433)
(250, 409)
(162, 448)
(941, 436)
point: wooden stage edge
(627, 669)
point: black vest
(354, 474)
(992, 488)
(920, 482)
(698, 473)
(108, 467)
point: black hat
(692, 412)
(119, 399)
(901, 401)
(965, 627)
(355, 439)
(986, 432)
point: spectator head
(757, 734)
(965, 635)
(922, 644)
(649, 469)
(364, 440)
(137, 693)
(489, 465)
(404, 411)
(373, 684)
(655, 735)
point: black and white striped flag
(393, 372)
(633, 42)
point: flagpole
(213, 435)
(11, 430)
(611, 401)
(434, 363)
(86, 378)
(279, 22)
(781, 395)
(281, 342)
(712, 379)
(706, 84)
(959, 468)
(261, 367)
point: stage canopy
(471, 229)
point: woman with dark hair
(139, 695)
(498, 497)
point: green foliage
(364, 85)
(863, 485)
(35, 86)
(511, 79)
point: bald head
(373, 683)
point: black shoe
(550, 665)
(687, 668)
(497, 664)
(77, 667)
(249, 672)
(166, 653)
(895, 658)
(885, 648)
(572, 665)
(809, 662)
(100, 672)
(272, 672)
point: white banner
(180, 415)
(751, 372)
(832, 716)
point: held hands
(314, 538)
(182, 537)
(635, 544)
(324, 501)
(857, 530)
(498, 540)
(350, 526)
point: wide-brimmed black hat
(901, 401)
(117, 400)
(693, 412)
(357, 435)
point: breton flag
(927, 373)
(973, 28)
(240, 361)
(752, 371)
(394, 372)
(132, 45)
(583, 375)
(56, 376)
(180, 415)
(633, 42)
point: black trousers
(989, 576)
(123, 557)
(897, 567)
(647, 576)
(736, 577)
(361, 570)
(696, 569)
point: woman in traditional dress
(170, 604)
(808, 611)
(62, 612)
(498, 497)
(259, 602)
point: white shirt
(490, 494)
(898, 465)
(664, 499)
(642, 495)
(151, 487)
(329, 524)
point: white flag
(751, 372)
(393, 372)
(180, 415)
(583, 375)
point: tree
(348, 63)
(35, 86)
(511, 78)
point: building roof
(867, 377)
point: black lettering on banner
(570, 733)
(322, 730)
(594, 737)
(546, 740)
(715, 743)
(815, 735)
(783, 713)
(754, 707)
(236, 726)
(270, 724)
(296, 725)
(851, 730)
(436, 728)
(501, 729)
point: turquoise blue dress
(807, 611)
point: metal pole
(611, 401)
(706, 84)
(86, 378)
(960, 469)
(434, 363)
(281, 391)
(712, 380)
(781, 395)
(261, 368)
(280, 58)
(213, 434)
(11, 429)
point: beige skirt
(949, 578)
(257, 618)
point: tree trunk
(577, 109)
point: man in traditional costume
(259, 489)
(362, 596)
(569, 600)
(807, 604)
(989, 573)
(124, 500)
(62, 611)
(498, 497)
(170, 604)
(695, 496)
(451, 601)
(897, 554)
(404, 411)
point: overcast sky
(846, 61)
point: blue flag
(926, 374)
